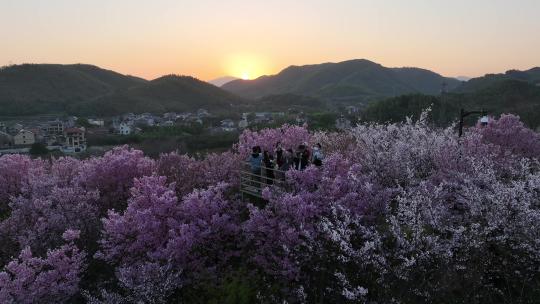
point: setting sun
(246, 66)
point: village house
(24, 138)
(262, 117)
(244, 123)
(343, 123)
(228, 125)
(70, 122)
(96, 122)
(170, 116)
(184, 116)
(17, 127)
(129, 116)
(39, 134)
(54, 127)
(352, 110)
(144, 120)
(124, 129)
(6, 140)
(75, 140)
(202, 113)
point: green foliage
(509, 96)
(399, 108)
(51, 88)
(322, 121)
(156, 140)
(289, 102)
(210, 142)
(83, 122)
(88, 90)
(531, 76)
(160, 132)
(38, 149)
(358, 80)
(113, 140)
(234, 290)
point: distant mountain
(88, 90)
(531, 76)
(355, 80)
(165, 94)
(218, 82)
(46, 88)
(463, 78)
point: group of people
(270, 164)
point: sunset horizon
(267, 152)
(247, 76)
(249, 39)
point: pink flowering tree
(48, 203)
(112, 175)
(397, 213)
(304, 241)
(188, 173)
(509, 133)
(39, 221)
(53, 278)
(176, 242)
(15, 171)
(412, 214)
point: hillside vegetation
(503, 96)
(88, 90)
(354, 80)
(531, 76)
(165, 94)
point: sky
(248, 38)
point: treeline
(511, 96)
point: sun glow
(246, 66)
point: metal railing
(252, 183)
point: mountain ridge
(531, 76)
(220, 81)
(82, 89)
(359, 79)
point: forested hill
(502, 96)
(354, 80)
(89, 90)
(165, 94)
(531, 76)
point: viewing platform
(253, 182)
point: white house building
(24, 138)
(124, 129)
(75, 140)
(244, 123)
(96, 122)
(168, 123)
(228, 125)
(55, 127)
